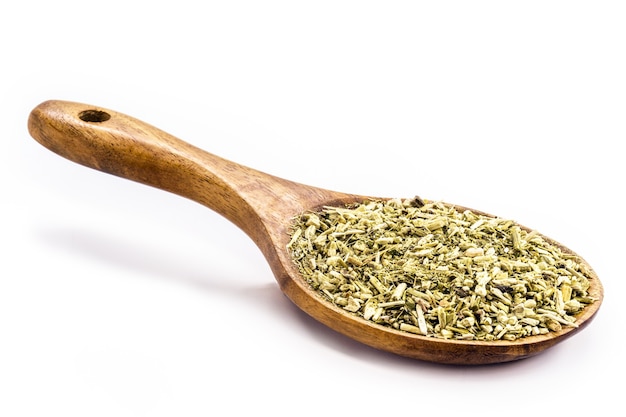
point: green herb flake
(427, 268)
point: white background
(117, 299)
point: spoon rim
(528, 345)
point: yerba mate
(430, 269)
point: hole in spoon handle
(94, 116)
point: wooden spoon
(263, 206)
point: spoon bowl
(263, 206)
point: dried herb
(427, 268)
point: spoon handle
(126, 147)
